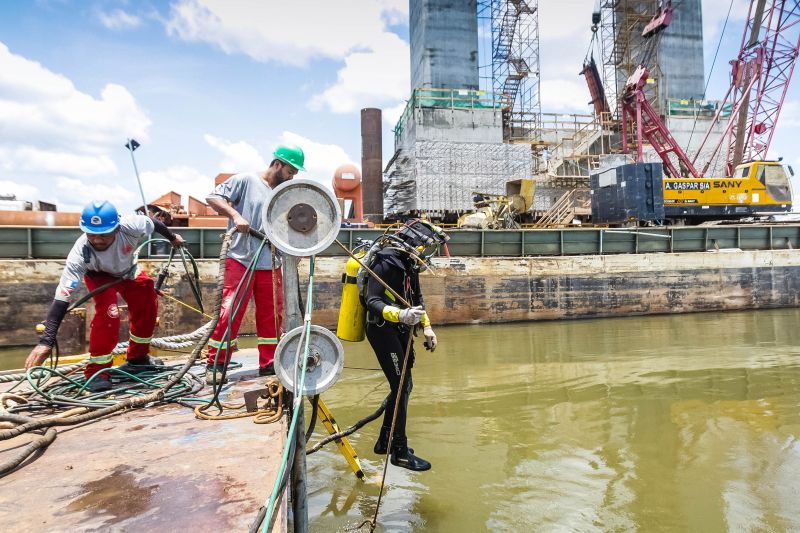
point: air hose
(349, 431)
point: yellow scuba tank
(351, 312)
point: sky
(210, 86)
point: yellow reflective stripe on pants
(267, 340)
(101, 359)
(219, 344)
(140, 340)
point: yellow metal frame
(346, 449)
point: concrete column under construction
(372, 164)
(681, 53)
(444, 44)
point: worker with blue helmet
(98, 218)
(104, 256)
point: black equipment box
(628, 193)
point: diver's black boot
(381, 445)
(404, 458)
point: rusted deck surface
(155, 469)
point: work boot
(268, 370)
(99, 384)
(404, 458)
(214, 375)
(143, 364)
(381, 445)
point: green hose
(298, 391)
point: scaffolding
(514, 63)
(438, 178)
(624, 48)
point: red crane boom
(760, 77)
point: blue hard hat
(99, 217)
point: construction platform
(151, 469)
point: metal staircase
(561, 213)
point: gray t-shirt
(249, 196)
(115, 260)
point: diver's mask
(422, 237)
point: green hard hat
(291, 154)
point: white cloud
(565, 96)
(240, 156)
(322, 160)
(118, 20)
(21, 190)
(184, 180)
(58, 140)
(790, 114)
(365, 81)
(714, 14)
(37, 105)
(376, 69)
(395, 12)
(296, 31)
(74, 193)
(28, 159)
(554, 17)
(392, 114)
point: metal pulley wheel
(302, 217)
(323, 365)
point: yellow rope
(271, 412)
(164, 294)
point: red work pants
(140, 296)
(260, 287)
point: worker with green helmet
(242, 198)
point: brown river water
(663, 423)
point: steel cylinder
(372, 163)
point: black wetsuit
(389, 339)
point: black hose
(349, 431)
(102, 287)
(194, 281)
(225, 341)
(314, 403)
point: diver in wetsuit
(390, 325)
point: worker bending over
(104, 254)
